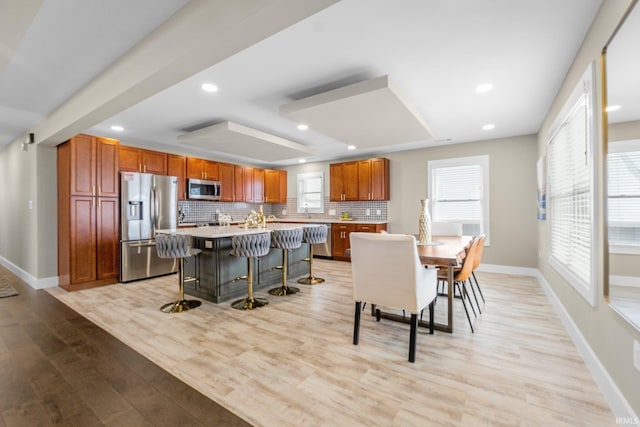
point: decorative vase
(424, 223)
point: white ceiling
(435, 52)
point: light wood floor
(292, 363)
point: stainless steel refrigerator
(147, 203)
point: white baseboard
(630, 281)
(612, 394)
(506, 269)
(35, 283)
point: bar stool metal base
(311, 280)
(284, 290)
(180, 306)
(249, 303)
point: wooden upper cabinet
(177, 166)
(134, 159)
(248, 183)
(238, 183)
(226, 174)
(373, 179)
(361, 180)
(107, 161)
(275, 186)
(258, 185)
(343, 181)
(202, 169)
(93, 166)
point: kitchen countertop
(218, 231)
(300, 220)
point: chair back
(314, 234)
(386, 270)
(467, 264)
(478, 258)
(173, 245)
(287, 239)
(446, 229)
(251, 245)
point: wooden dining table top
(447, 250)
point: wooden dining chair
(476, 262)
(461, 276)
(387, 271)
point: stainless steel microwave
(201, 189)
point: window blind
(458, 194)
(624, 197)
(570, 194)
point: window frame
(584, 88)
(483, 162)
(300, 179)
(624, 146)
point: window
(571, 181)
(311, 192)
(459, 192)
(623, 174)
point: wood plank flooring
(58, 368)
(292, 363)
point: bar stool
(177, 246)
(250, 246)
(312, 235)
(285, 240)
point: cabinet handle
(144, 167)
(99, 203)
(204, 175)
(93, 190)
(140, 167)
(93, 202)
(99, 190)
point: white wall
(28, 237)
(608, 335)
(512, 193)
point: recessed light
(302, 161)
(611, 108)
(209, 87)
(351, 147)
(484, 88)
(302, 126)
(488, 126)
(117, 128)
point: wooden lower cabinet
(340, 237)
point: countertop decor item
(424, 224)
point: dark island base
(220, 272)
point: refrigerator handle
(152, 213)
(156, 209)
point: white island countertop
(218, 231)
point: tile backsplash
(199, 211)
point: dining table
(441, 252)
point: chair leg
(311, 280)
(466, 293)
(284, 289)
(181, 304)
(356, 324)
(473, 273)
(412, 337)
(465, 307)
(378, 314)
(432, 308)
(473, 291)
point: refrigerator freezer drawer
(139, 260)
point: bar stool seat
(177, 246)
(250, 246)
(313, 234)
(286, 240)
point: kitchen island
(220, 272)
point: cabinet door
(340, 239)
(283, 186)
(238, 183)
(177, 166)
(248, 184)
(211, 170)
(336, 182)
(195, 168)
(83, 239)
(271, 186)
(83, 166)
(364, 180)
(226, 174)
(107, 253)
(154, 162)
(130, 159)
(107, 159)
(258, 185)
(350, 175)
(380, 179)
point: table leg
(450, 298)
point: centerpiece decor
(424, 224)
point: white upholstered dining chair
(387, 271)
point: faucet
(306, 210)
